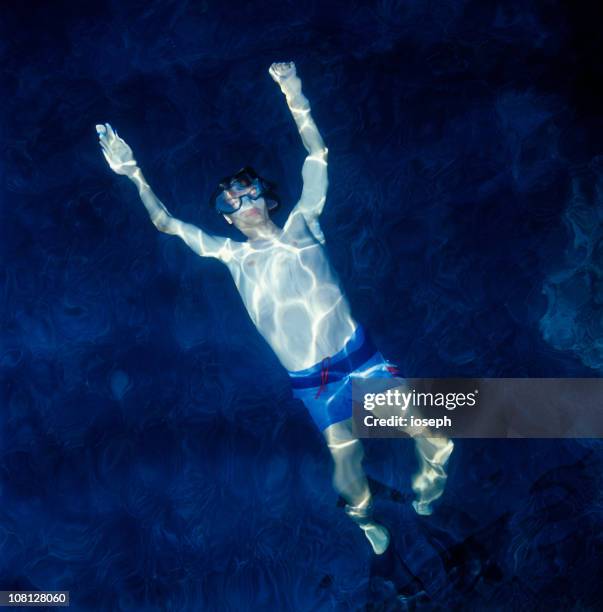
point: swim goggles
(229, 195)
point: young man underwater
(294, 298)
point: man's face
(251, 214)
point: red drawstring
(324, 375)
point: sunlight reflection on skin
(293, 295)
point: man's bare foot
(377, 535)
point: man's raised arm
(120, 158)
(314, 171)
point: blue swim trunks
(326, 388)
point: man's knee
(435, 450)
(340, 435)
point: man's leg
(433, 453)
(350, 482)
(429, 482)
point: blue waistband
(358, 350)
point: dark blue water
(151, 455)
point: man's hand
(118, 154)
(285, 75)
(279, 71)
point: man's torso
(293, 296)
